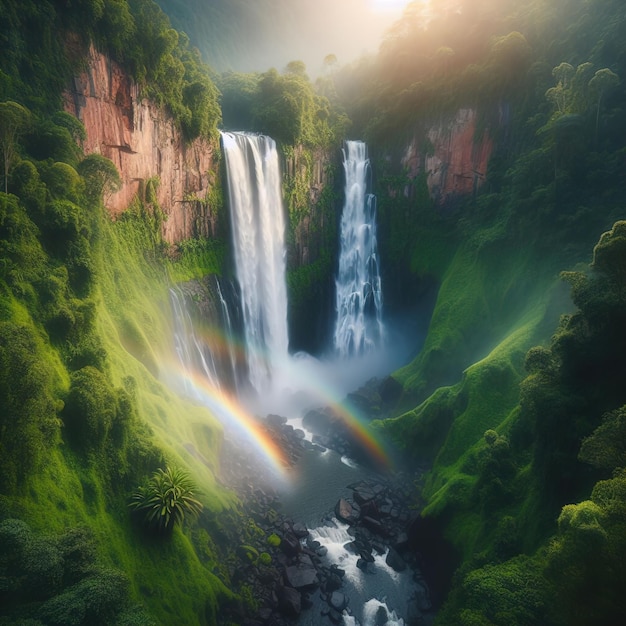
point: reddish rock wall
(143, 142)
(454, 159)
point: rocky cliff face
(453, 156)
(144, 143)
(309, 179)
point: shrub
(166, 499)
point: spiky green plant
(166, 499)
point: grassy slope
(495, 301)
(73, 488)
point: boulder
(290, 544)
(300, 530)
(289, 601)
(303, 575)
(347, 511)
(338, 601)
(395, 561)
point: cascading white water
(359, 326)
(193, 355)
(258, 228)
(334, 536)
(228, 327)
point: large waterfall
(359, 326)
(258, 228)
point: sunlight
(389, 6)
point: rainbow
(306, 378)
(230, 412)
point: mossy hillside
(447, 430)
(485, 291)
(98, 419)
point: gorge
(164, 322)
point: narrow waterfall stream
(359, 326)
(306, 394)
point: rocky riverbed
(288, 572)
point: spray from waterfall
(193, 354)
(258, 228)
(359, 327)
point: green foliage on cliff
(42, 45)
(84, 338)
(284, 106)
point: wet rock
(289, 601)
(303, 575)
(333, 582)
(375, 526)
(317, 422)
(276, 420)
(401, 542)
(300, 530)
(422, 598)
(362, 564)
(363, 494)
(335, 616)
(338, 601)
(290, 544)
(395, 561)
(381, 617)
(347, 511)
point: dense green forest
(515, 400)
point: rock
(363, 495)
(390, 390)
(265, 614)
(335, 616)
(290, 544)
(375, 526)
(395, 561)
(338, 601)
(413, 614)
(302, 575)
(401, 542)
(422, 598)
(289, 601)
(362, 564)
(333, 582)
(276, 420)
(300, 530)
(317, 422)
(346, 511)
(381, 616)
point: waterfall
(193, 354)
(228, 327)
(359, 326)
(258, 227)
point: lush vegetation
(165, 500)
(518, 436)
(43, 43)
(521, 415)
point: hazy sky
(254, 35)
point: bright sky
(388, 6)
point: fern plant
(166, 499)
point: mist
(255, 36)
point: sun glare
(388, 6)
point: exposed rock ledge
(455, 158)
(143, 142)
